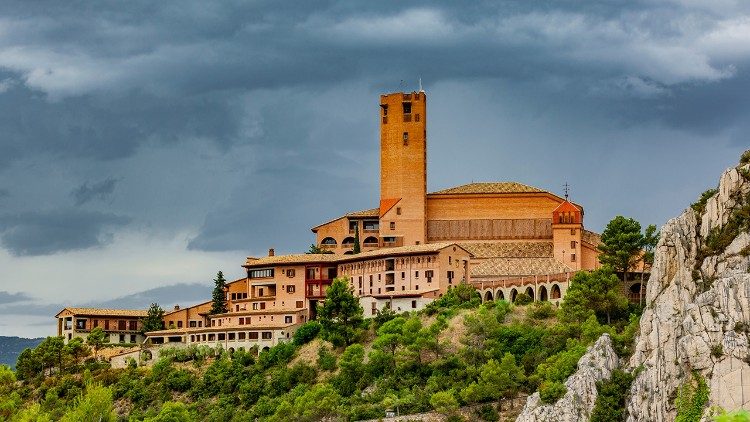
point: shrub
(306, 332)
(326, 359)
(444, 402)
(700, 206)
(610, 402)
(717, 350)
(541, 310)
(179, 380)
(736, 416)
(691, 400)
(745, 158)
(551, 391)
(488, 413)
(523, 299)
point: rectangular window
(300, 304)
(122, 338)
(122, 325)
(573, 244)
(572, 257)
(429, 274)
(212, 337)
(242, 321)
(290, 289)
(403, 275)
(253, 335)
(231, 336)
(192, 324)
(106, 324)
(255, 306)
(393, 225)
(416, 274)
(262, 273)
(450, 260)
(414, 304)
(234, 296)
(352, 225)
(416, 287)
(241, 336)
(406, 138)
(179, 324)
(132, 338)
(80, 324)
(398, 210)
(288, 319)
(267, 335)
(371, 225)
(450, 277)
(222, 337)
(192, 339)
(407, 108)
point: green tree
(357, 247)
(341, 314)
(172, 412)
(496, 380)
(444, 402)
(736, 416)
(597, 291)
(28, 365)
(306, 332)
(622, 244)
(218, 297)
(154, 320)
(351, 370)
(93, 406)
(315, 249)
(97, 338)
(51, 352)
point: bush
(610, 402)
(745, 158)
(736, 416)
(523, 299)
(700, 205)
(488, 413)
(541, 310)
(551, 391)
(444, 402)
(306, 332)
(692, 398)
(326, 359)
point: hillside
(457, 359)
(11, 347)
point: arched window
(349, 241)
(328, 241)
(371, 241)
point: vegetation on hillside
(456, 352)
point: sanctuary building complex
(503, 237)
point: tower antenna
(420, 85)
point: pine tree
(154, 319)
(219, 305)
(340, 314)
(357, 248)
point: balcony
(316, 288)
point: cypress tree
(219, 305)
(357, 248)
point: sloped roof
(489, 187)
(291, 259)
(509, 249)
(567, 206)
(105, 312)
(400, 250)
(386, 205)
(517, 267)
(372, 212)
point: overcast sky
(150, 144)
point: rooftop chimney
(271, 252)
(176, 307)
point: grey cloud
(7, 297)
(4, 193)
(183, 294)
(48, 232)
(96, 191)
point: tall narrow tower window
(406, 138)
(407, 108)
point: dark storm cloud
(44, 233)
(83, 86)
(96, 191)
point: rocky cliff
(697, 315)
(579, 399)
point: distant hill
(11, 347)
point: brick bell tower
(403, 168)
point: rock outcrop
(697, 315)
(579, 399)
